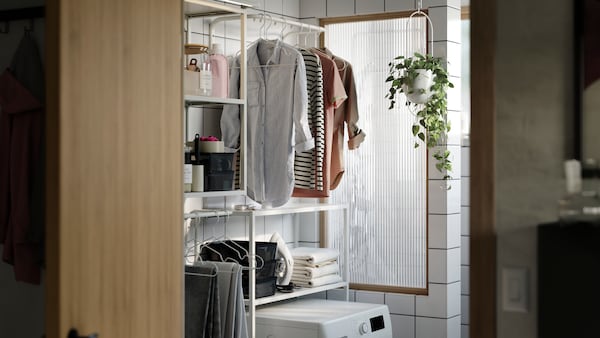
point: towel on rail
(301, 272)
(313, 256)
(202, 306)
(233, 312)
(319, 281)
(214, 301)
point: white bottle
(205, 80)
(187, 170)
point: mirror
(587, 80)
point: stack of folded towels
(315, 266)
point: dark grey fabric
(233, 310)
(202, 305)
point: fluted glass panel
(385, 180)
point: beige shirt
(346, 112)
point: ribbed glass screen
(385, 180)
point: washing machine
(319, 318)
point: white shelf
(205, 100)
(214, 194)
(290, 209)
(279, 296)
(207, 213)
(208, 8)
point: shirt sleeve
(355, 135)
(302, 136)
(230, 118)
(338, 93)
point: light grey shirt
(277, 119)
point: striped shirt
(308, 165)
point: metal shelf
(279, 296)
(290, 209)
(214, 194)
(198, 100)
(195, 8)
(204, 213)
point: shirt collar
(275, 57)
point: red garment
(21, 158)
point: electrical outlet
(515, 293)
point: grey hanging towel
(202, 305)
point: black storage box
(219, 181)
(216, 162)
(264, 287)
(265, 262)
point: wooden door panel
(114, 168)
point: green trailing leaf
(415, 129)
(431, 125)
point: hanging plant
(424, 81)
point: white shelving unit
(207, 9)
(288, 209)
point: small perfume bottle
(205, 79)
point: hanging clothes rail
(310, 29)
(20, 14)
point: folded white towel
(310, 272)
(323, 280)
(313, 256)
(303, 264)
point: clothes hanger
(202, 274)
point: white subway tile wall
(439, 313)
(451, 259)
(455, 154)
(369, 7)
(442, 302)
(465, 237)
(464, 310)
(444, 196)
(399, 5)
(340, 8)
(313, 8)
(403, 326)
(370, 297)
(401, 304)
(436, 327)
(340, 294)
(464, 280)
(444, 231)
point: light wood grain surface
(114, 168)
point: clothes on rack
(345, 113)
(277, 119)
(308, 165)
(22, 162)
(334, 95)
(214, 301)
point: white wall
(21, 304)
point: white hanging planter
(420, 90)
